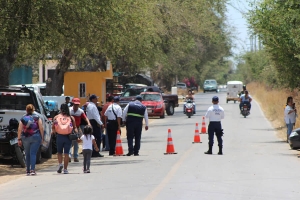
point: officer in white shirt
(113, 116)
(94, 117)
(215, 114)
(133, 115)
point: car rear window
(15, 102)
(151, 97)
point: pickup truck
(171, 100)
(13, 102)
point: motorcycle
(189, 108)
(245, 110)
(9, 148)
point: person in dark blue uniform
(133, 115)
(215, 114)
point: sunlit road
(255, 165)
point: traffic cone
(170, 146)
(119, 148)
(203, 128)
(197, 138)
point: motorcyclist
(187, 97)
(245, 98)
(242, 92)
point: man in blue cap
(215, 114)
(94, 117)
(112, 119)
(133, 115)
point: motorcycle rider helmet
(13, 124)
(244, 87)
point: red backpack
(63, 124)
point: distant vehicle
(131, 85)
(171, 100)
(210, 85)
(181, 85)
(154, 103)
(233, 89)
(39, 87)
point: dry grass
(273, 103)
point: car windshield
(13, 102)
(210, 82)
(151, 97)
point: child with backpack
(88, 140)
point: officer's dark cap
(138, 97)
(215, 98)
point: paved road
(255, 165)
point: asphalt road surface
(255, 165)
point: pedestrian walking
(109, 102)
(290, 113)
(113, 116)
(215, 114)
(78, 115)
(31, 136)
(88, 140)
(94, 117)
(63, 126)
(133, 115)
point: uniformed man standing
(112, 120)
(215, 113)
(133, 115)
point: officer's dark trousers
(134, 127)
(214, 127)
(96, 134)
(111, 130)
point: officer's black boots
(209, 150)
(220, 150)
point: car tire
(39, 156)
(48, 153)
(170, 109)
(203, 91)
(20, 156)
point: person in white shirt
(113, 115)
(215, 114)
(133, 115)
(94, 117)
(88, 140)
(290, 113)
(245, 98)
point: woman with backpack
(63, 126)
(30, 135)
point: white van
(233, 90)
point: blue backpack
(30, 124)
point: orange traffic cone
(119, 148)
(197, 138)
(170, 146)
(203, 128)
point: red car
(154, 103)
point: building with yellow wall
(84, 84)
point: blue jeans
(31, 146)
(289, 128)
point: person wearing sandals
(30, 135)
(88, 140)
(63, 126)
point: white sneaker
(66, 171)
(60, 167)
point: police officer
(112, 120)
(215, 113)
(133, 115)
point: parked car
(154, 103)
(210, 85)
(13, 102)
(181, 85)
(171, 100)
